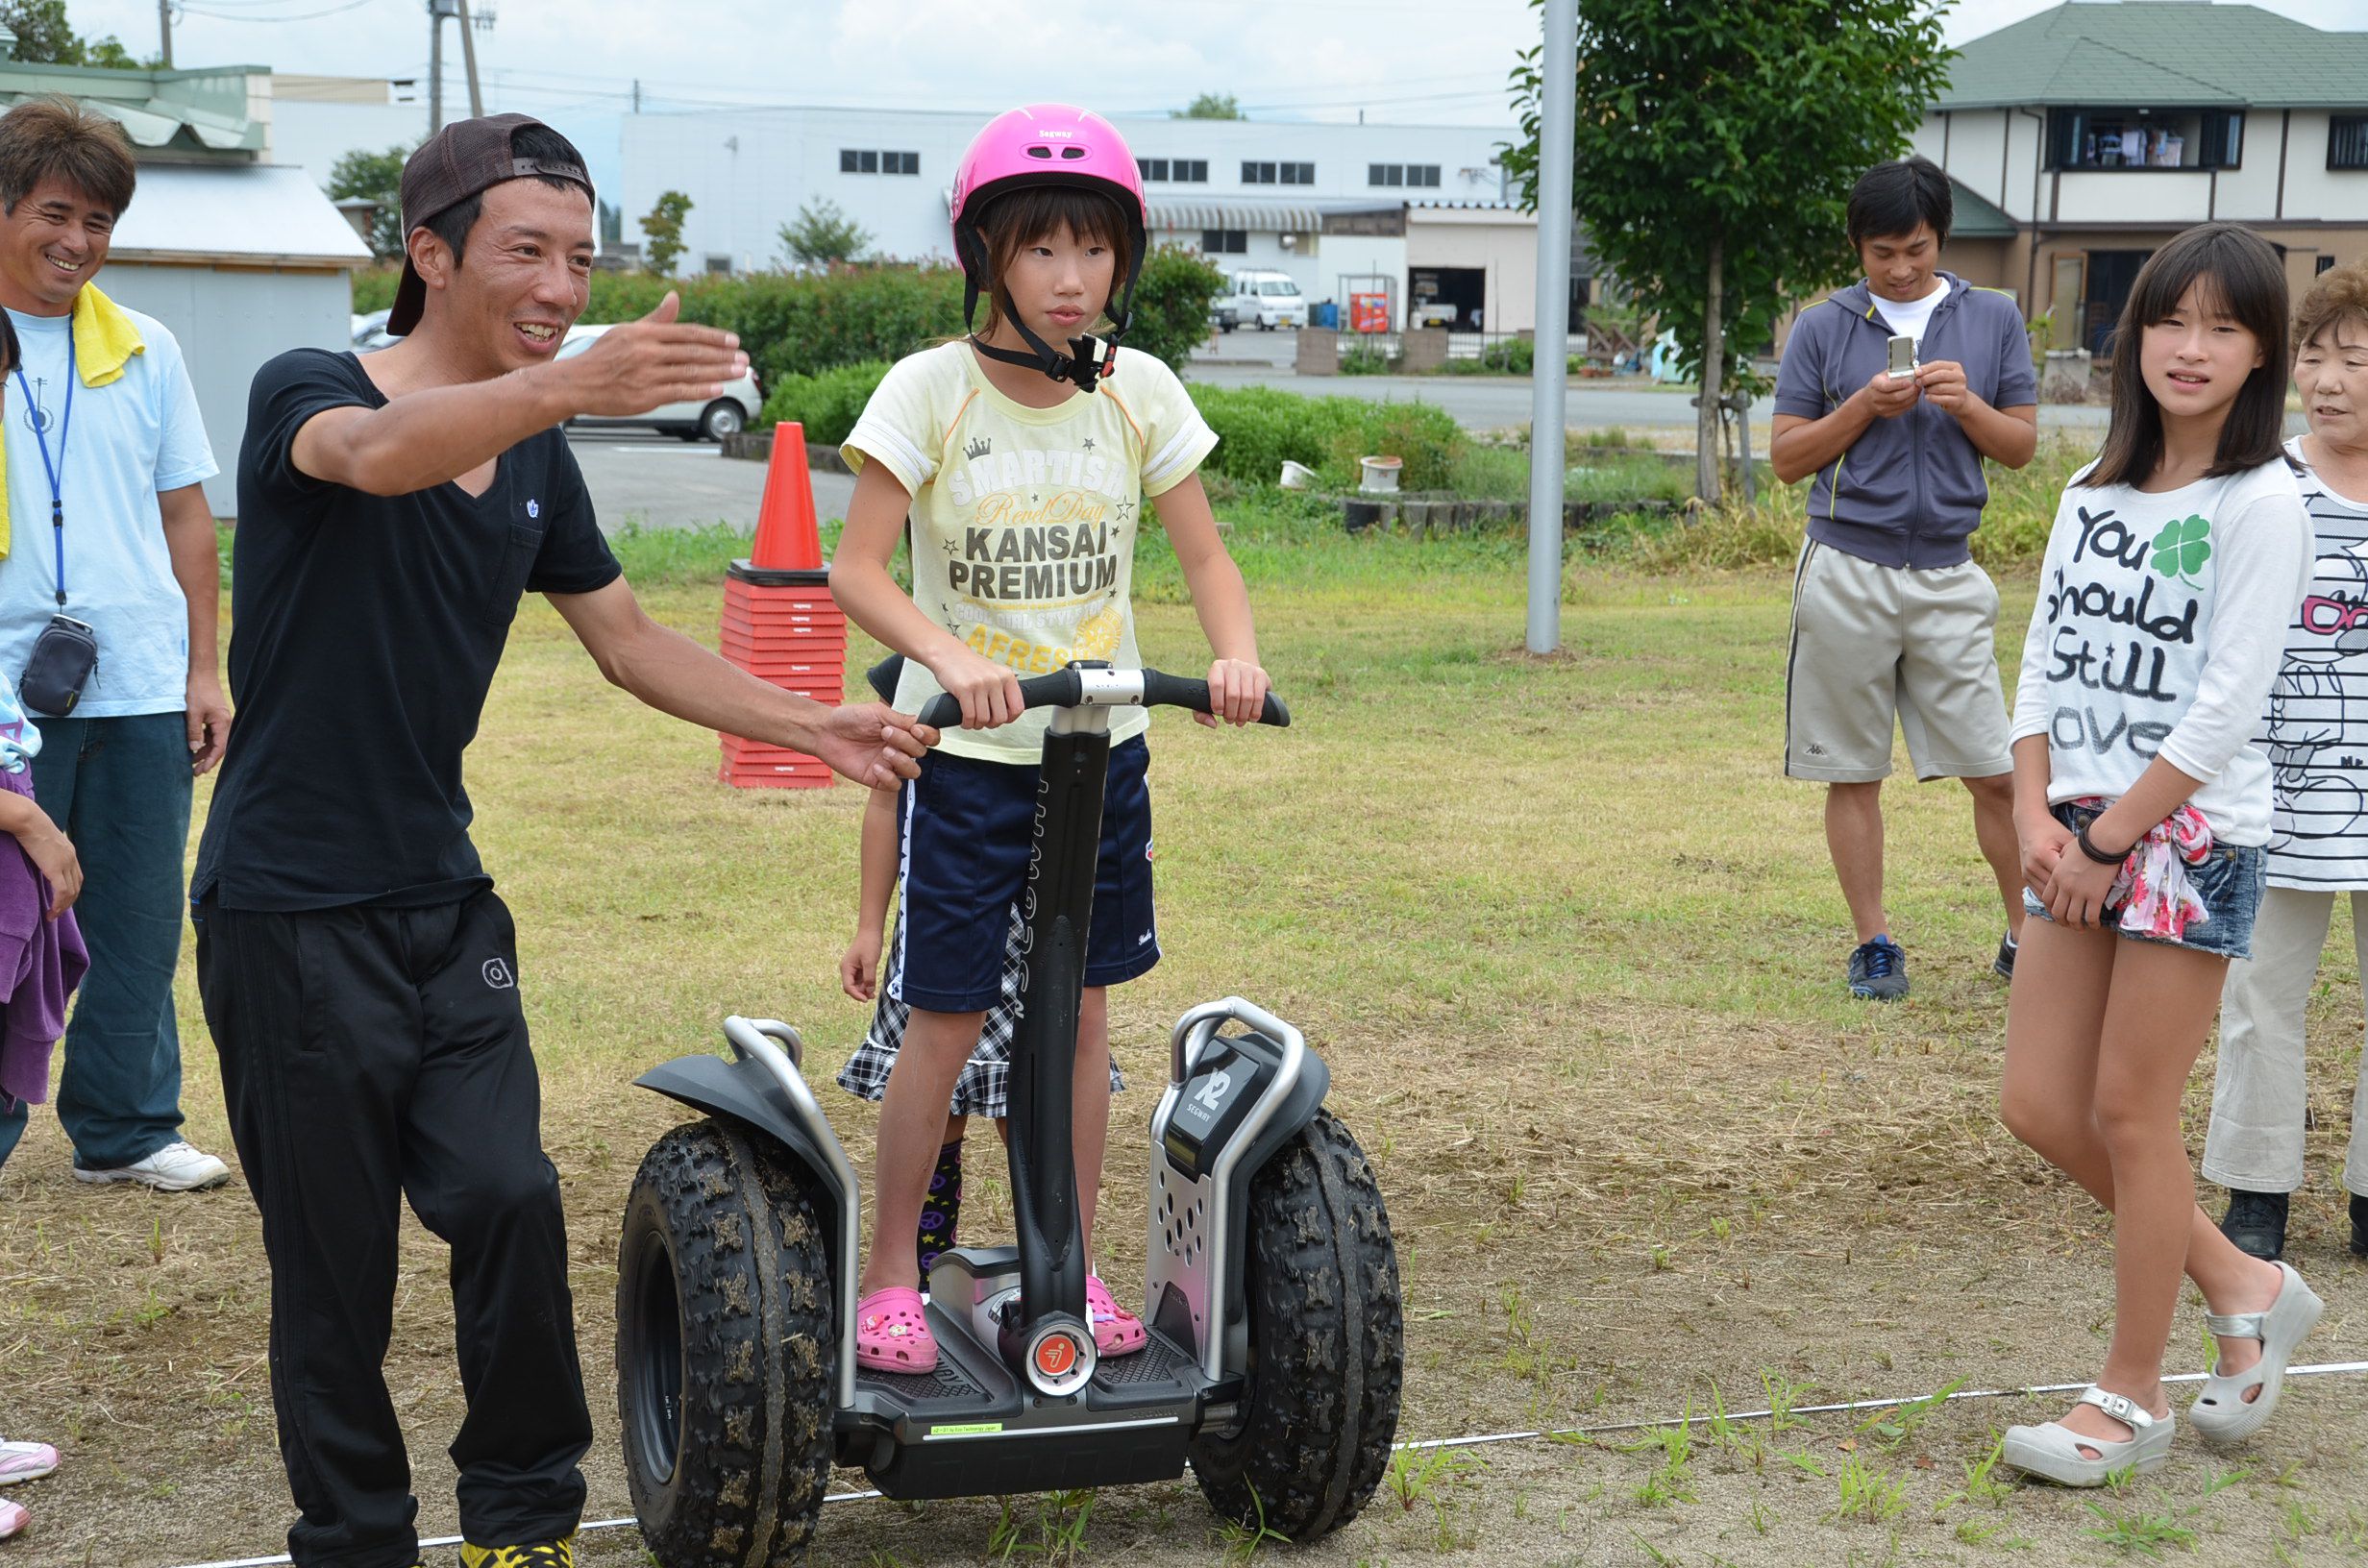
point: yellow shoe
(559, 1553)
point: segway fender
(740, 1090)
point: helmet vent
(1072, 152)
(1040, 152)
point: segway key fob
(1215, 1099)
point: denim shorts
(2228, 881)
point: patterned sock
(943, 1207)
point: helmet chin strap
(1088, 359)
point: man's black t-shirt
(366, 632)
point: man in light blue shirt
(109, 526)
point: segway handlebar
(1090, 687)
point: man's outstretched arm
(869, 742)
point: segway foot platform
(973, 1425)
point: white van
(1267, 299)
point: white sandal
(2053, 1451)
(2221, 1413)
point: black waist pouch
(63, 657)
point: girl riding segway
(1025, 469)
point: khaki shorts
(1874, 644)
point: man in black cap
(360, 976)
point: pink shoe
(1117, 1331)
(12, 1520)
(25, 1462)
(892, 1332)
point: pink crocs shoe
(892, 1332)
(1117, 1331)
(25, 1462)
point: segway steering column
(1048, 1336)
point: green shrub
(1510, 356)
(374, 288)
(1171, 304)
(1365, 359)
(1259, 427)
(827, 405)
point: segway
(1275, 1326)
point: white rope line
(1485, 1440)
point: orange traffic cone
(787, 535)
(779, 621)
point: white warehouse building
(1315, 201)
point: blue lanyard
(65, 427)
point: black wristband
(2094, 853)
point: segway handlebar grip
(1163, 689)
(1066, 689)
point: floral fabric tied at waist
(2152, 887)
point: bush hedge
(801, 323)
(827, 404)
(1259, 428)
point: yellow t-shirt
(1024, 519)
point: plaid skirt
(984, 1089)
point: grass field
(1572, 950)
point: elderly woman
(2317, 739)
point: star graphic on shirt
(1033, 498)
(1124, 506)
(950, 549)
(1089, 443)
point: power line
(300, 16)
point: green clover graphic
(2182, 547)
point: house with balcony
(2092, 133)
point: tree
(1715, 147)
(376, 177)
(822, 234)
(1171, 304)
(663, 229)
(1210, 106)
(45, 38)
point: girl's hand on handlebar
(1237, 693)
(989, 691)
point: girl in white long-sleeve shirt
(2142, 803)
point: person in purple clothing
(1892, 622)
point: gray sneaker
(1878, 971)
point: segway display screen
(1213, 1102)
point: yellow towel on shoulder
(104, 339)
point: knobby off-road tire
(1326, 1341)
(724, 1352)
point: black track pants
(370, 1055)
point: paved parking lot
(662, 482)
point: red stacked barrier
(779, 621)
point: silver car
(727, 415)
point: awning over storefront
(1259, 217)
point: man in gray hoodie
(1892, 622)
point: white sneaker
(25, 1462)
(177, 1168)
(11, 1519)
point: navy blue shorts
(967, 828)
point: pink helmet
(1038, 145)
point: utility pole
(468, 56)
(637, 95)
(1557, 125)
(165, 29)
(435, 65)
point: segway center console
(1275, 1330)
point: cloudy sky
(574, 62)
